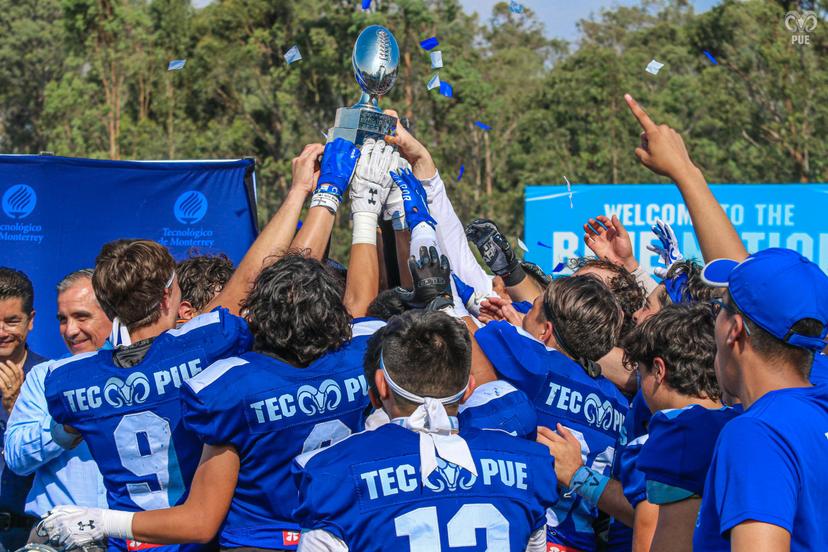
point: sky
(558, 16)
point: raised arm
(450, 232)
(662, 150)
(338, 164)
(369, 190)
(275, 238)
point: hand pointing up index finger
(643, 119)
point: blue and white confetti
(293, 55)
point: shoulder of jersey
(201, 321)
(693, 417)
(55, 364)
(365, 327)
(501, 440)
(342, 451)
(212, 373)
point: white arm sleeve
(645, 280)
(537, 542)
(322, 541)
(451, 236)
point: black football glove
(432, 280)
(495, 249)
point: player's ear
(374, 398)
(546, 335)
(469, 390)
(186, 311)
(382, 386)
(659, 369)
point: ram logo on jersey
(447, 477)
(308, 399)
(404, 478)
(600, 414)
(136, 389)
(312, 401)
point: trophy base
(358, 124)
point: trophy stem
(368, 102)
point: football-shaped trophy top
(376, 60)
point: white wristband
(365, 228)
(645, 280)
(324, 199)
(118, 524)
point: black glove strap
(514, 277)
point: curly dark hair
(295, 310)
(682, 336)
(585, 315)
(203, 277)
(426, 352)
(387, 304)
(630, 294)
(696, 291)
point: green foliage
(88, 78)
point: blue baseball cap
(776, 288)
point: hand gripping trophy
(376, 59)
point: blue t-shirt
(274, 413)
(769, 466)
(499, 405)
(562, 392)
(367, 491)
(676, 457)
(131, 418)
(819, 369)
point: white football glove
(372, 178)
(72, 527)
(393, 209)
(669, 250)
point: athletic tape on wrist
(588, 484)
(365, 228)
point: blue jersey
(562, 392)
(275, 412)
(498, 405)
(367, 491)
(768, 466)
(819, 369)
(678, 453)
(624, 470)
(131, 417)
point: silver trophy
(376, 59)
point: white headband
(432, 422)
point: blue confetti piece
(430, 43)
(540, 243)
(462, 170)
(446, 89)
(293, 55)
(176, 65)
(298, 225)
(559, 267)
(484, 126)
(514, 7)
(711, 58)
(366, 4)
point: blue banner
(764, 215)
(57, 212)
